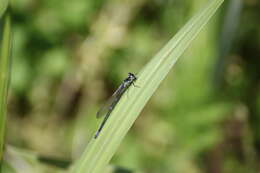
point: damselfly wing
(109, 103)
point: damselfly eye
(132, 76)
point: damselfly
(111, 103)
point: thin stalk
(5, 42)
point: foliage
(70, 56)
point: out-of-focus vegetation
(69, 57)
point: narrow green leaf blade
(5, 42)
(100, 151)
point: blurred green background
(69, 57)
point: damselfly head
(132, 77)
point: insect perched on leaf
(111, 103)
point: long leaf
(100, 150)
(5, 43)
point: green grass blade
(5, 43)
(19, 160)
(100, 151)
(3, 6)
